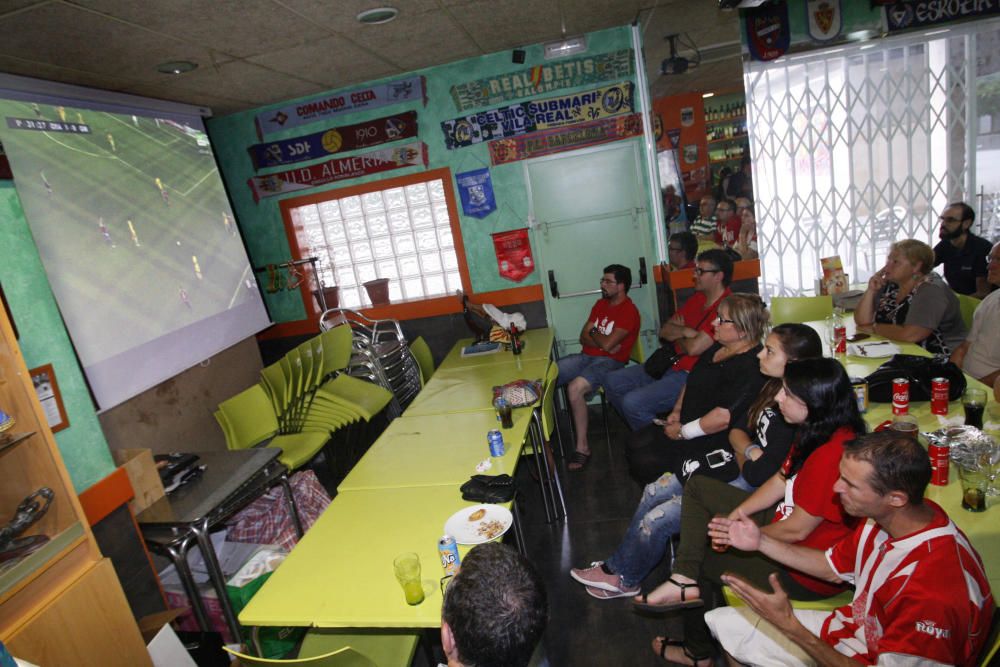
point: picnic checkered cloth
(267, 520)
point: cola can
(939, 396)
(939, 455)
(900, 396)
(448, 551)
(840, 336)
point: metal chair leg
(537, 441)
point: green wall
(261, 223)
(43, 339)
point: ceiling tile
(441, 40)
(341, 16)
(497, 25)
(21, 67)
(581, 17)
(332, 61)
(219, 105)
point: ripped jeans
(655, 522)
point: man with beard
(607, 339)
(962, 252)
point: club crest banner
(335, 140)
(570, 73)
(546, 142)
(476, 191)
(317, 108)
(824, 18)
(524, 117)
(514, 260)
(338, 169)
(768, 32)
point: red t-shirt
(607, 317)
(812, 490)
(924, 594)
(695, 316)
(726, 233)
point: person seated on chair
(607, 338)
(746, 243)
(727, 224)
(760, 444)
(681, 250)
(637, 395)
(494, 610)
(921, 595)
(905, 301)
(979, 355)
(797, 505)
(703, 226)
(962, 252)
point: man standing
(494, 610)
(607, 338)
(921, 594)
(962, 252)
(637, 395)
(703, 226)
(979, 355)
(681, 250)
(727, 224)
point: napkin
(503, 319)
(873, 350)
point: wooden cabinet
(61, 604)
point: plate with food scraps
(478, 523)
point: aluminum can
(939, 396)
(495, 440)
(900, 396)
(860, 386)
(448, 551)
(840, 336)
(939, 455)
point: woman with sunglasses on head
(796, 505)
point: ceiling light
(707, 95)
(176, 67)
(565, 47)
(377, 15)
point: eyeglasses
(722, 320)
(605, 281)
(700, 272)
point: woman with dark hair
(761, 443)
(796, 505)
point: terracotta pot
(378, 291)
(330, 294)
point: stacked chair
(379, 354)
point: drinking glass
(407, 569)
(974, 485)
(990, 461)
(974, 402)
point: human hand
(772, 607)
(878, 280)
(673, 430)
(736, 530)
(674, 418)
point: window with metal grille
(402, 229)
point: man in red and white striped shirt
(921, 595)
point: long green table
(537, 345)
(468, 389)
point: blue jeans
(655, 522)
(593, 369)
(638, 398)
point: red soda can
(939, 396)
(840, 335)
(900, 396)
(939, 455)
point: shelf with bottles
(725, 112)
(728, 153)
(730, 130)
(736, 137)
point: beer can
(448, 551)
(495, 440)
(900, 396)
(840, 336)
(939, 455)
(860, 386)
(939, 396)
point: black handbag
(489, 489)
(919, 371)
(661, 361)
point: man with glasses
(727, 224)
(638, 396)
(681, 250)
(962, 252)
(979, 355)
(703, 226)
(607, 338)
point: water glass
(906, 424)
(407, 569)
(974, 483)
(974, 402)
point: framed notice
(47, 389)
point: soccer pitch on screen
(133, 226)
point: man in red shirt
(607, 338)
(727, 224)
(921, 594)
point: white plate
(873, 350)
(467, 532)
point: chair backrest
(637, 355)
(337, 346)
(250, 417)
(422, 353)
(968, 305)
(798, 309)
(344, 657)
(276, 383)
(548, 400)
(991, 649)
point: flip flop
(641, 602)
(665, 642)
(578, 459)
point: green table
(468, 389)
(537, 345)
(436, 450)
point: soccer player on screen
(45, 182)
(111, 142)
(105, 232)
(135, 237)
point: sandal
(665, 642)
(577, 461)
(642, 602)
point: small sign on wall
(47, 390)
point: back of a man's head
(496, 608)
(898, 461)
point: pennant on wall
(768, 33)
(562, 139)
(326, 106)
(674, 135)
(824, 18)
(338, 169)
(514, 260)
(335, 140)
(476, 191)
(570, 73)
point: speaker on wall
(517, 56)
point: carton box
(142, 474)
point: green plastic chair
(336, 648)
(544, 422)
(367, 399)
(422, 353)
(826, 604)
(968, 305)
(798, 309)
